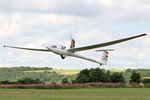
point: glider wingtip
(143, 34)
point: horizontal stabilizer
(105, 50)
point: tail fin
(72, 45)
(105, 56)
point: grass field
(76, 94)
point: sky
(41, 23)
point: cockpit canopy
(59, 47)
(54, 46)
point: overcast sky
(41, 23)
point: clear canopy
(58, 47)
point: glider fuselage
(65, 53)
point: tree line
(101, 75)
(16, 74)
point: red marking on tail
(106, 52)
(106, 56)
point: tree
(117, 77)
(108, 76)
(29, 81)
(65, 80)
(136, 77)
(82, 78)
(85, 72)
(97, 75)
(146, 80)
(127, 75)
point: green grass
(76, 94)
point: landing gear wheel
(62, 57)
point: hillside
(48, 75)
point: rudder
(105, 57)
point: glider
(72, 51)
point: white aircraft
(72, 51)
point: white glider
(63, 52)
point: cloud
(112, 9)
(68, 7)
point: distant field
(63, 72)
(76, 94)
(69, 72)
(116, 70)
